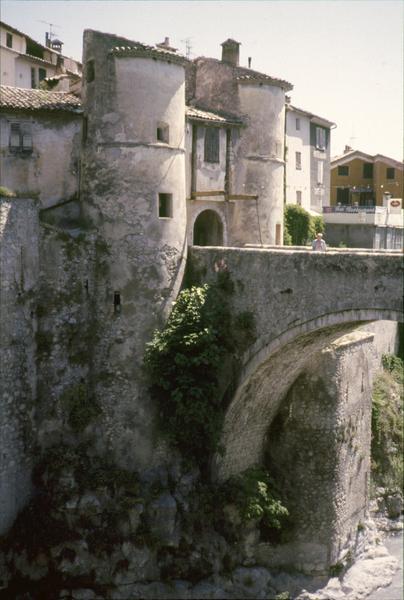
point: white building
(307, 173)
(25, 63)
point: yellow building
(361, 179)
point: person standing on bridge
(319, 244)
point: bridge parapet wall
(301, 303)
(288, 290)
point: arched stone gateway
(299, 408)
(208, 229)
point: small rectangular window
(298, 161)
(320, 138)
(163, 133)
(320, 172)
(299, 197)
(90, 71)
(20, 138)
(41, 74)
(212, 145)
(9, 40)
(367, 170)
(165, 206)
(297, 124)
(117, 303)
(343, 170)
(33, 77)
(390, 173)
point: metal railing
(349, 208)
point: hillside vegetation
(387, 426)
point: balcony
(362, 215)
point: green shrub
(254, 493)
(6, 193)
(297, 224)
(287, 238)
(183, 362)
(316, 226)
(387, 429)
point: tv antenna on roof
(353, 137)
(188, 46)
(51, 33)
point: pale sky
(344, 58)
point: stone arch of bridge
(269, 370)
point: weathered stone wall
(259, 166)
(318, 448)
(124, 169)
(51, 172)
(64, 337)
(19, 267)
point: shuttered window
(320, 138)
(20, 138)
(212, 146)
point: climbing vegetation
(184, 362)
(387, 425)
(299, 226)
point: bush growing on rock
(387, 430)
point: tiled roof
(199, 114)
(351, 154)
(27, 99)
(142, 50)
(310, 115)
(248, 75)
(245, 75)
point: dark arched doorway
(208, 229)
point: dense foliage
(387, 425)
(255, 495)
(299, 226)
(183, 361)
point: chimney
(347, 149)
(249, 62)
(230, 52)
(166, 45)
(47, 39)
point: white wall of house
(50, 171)
(18, 41)
(297, 140)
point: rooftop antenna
(50, 33)
(352, 138)
(188, 46)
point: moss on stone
(81, 407)
(44, 342)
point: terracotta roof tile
(28, 99)
(248, 75)
(200, 114)
(142, 50)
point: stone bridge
(303, 394)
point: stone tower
(133, 194)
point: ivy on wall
(184, 362)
